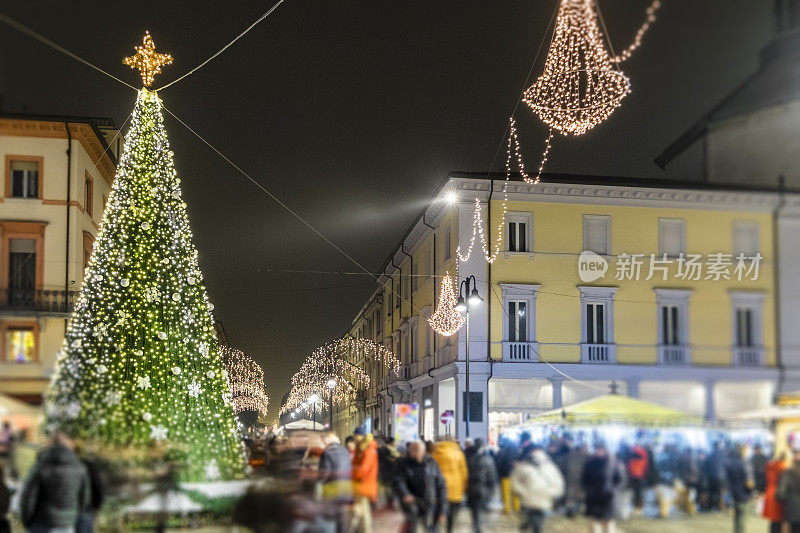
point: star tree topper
(147, 60)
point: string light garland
(579, 88)
(332, 363)
(637, 40)
(139, 366)
(245, 380)
(147, 60)
(446, 320)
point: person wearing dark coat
(421, 488)
(504, 461)
(788, 494)
(482, 480)
(98, 496)
(758, 465)
(56, 490)
(602, 480)
(740, 485)
(716, 477)
(5, 500)
(387, 460)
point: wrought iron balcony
(520, 352)
(37, 302)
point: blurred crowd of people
(431, 483)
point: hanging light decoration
(446, 320)
(246, 381)
(580, 86)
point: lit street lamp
(462, 306)
(331, 386)
(313, 400)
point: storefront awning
(617, 409)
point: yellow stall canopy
(617, 409)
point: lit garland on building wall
(446, 320)
(245, 380)
(637, 40)
(332, 362)
(140, 364)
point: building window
(745, 238)
(597, 234)
(519, 232)
(23, 176)
(747, 327)
(519, 324)
(447, 243)
(597, 324)
(671, 236)
(88, 244)
(673, 325)
(21, 269)
(88, 195)
(518, 321)
(20, 344)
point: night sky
(352, 113)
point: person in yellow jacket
(453, 464)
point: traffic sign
(447, 417)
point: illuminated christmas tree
(140, 365)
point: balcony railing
(38, 301)
(748, 355)
(598, 353)
(520, 352)
(673, 354)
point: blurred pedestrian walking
(740, 484)
(388, 455)
(717, 478)
(365, 479)
(602, 480)
(98, 495)
(5, 500)
(335, 472)
(453, 465)
(422, 490)
(537, 482)
(789, 493)
(504, 460)
(574, 496)
(638, 466)
(758, 465)
(56, 490)
(482, 483)
(773, 509)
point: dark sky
(352, 112)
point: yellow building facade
(676, 303)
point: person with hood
(422, 490)
(537, 482)
(602, 479)
(740, 484)
(789, 494)
(365, 477)
(335, 471)
(504, 461)
(481, 483)
(56, 490)
(453, 465)
(773, 509)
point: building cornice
(83, 133)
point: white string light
(246, 381)
(446, 320)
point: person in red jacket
(637, 474)
(365, 478)
(773, 509)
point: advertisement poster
(406, 422)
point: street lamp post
(313, 400)
(331, 386)
(462, 306)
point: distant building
(545, 338)
(57, 176)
